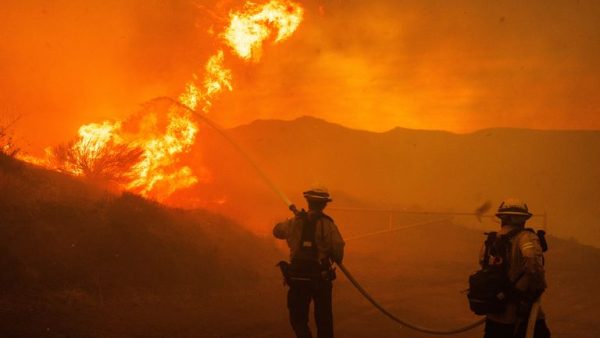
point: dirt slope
(80, 262)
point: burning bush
(98, 158)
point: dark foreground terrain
(80, 262)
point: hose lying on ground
(286, 200)
(535, 309)
(401, 321)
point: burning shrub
(102, 160)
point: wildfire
(148, 161)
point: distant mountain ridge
(554, 171)
(308, 120)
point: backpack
(306, 266)
(490, 288)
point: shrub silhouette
(103, 162)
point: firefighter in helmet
(315, 244)
(525, 269)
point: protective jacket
(526, 266)
(328, 239)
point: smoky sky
(451, 65)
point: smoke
(457, 66)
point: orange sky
(458, 66)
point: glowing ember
(248, 29)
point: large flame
(248, 29)
(159, 172)
(245, 34)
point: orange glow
(158, 172)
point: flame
(93, 139)
(216, 79)
(245, 34)
(159, 171)
(156, 168)
(248, 29)
(95, 136)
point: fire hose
(343, 268)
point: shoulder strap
(499, 245)
(327, 217)
(308, 229)
(489, 242)
(541, 234)
(491, 236)
(507, 246)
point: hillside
(77, 261)
(81, 262)
(554, 171)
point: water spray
(292, 207)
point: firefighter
(315, 243)
(525, 269)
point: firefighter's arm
(337, 244)
(533, 282)
(282, 229)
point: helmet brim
(318, 198)
(513, 213)
(312, 195)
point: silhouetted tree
(105, 162)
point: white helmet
(318, 193)
(513, 207)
